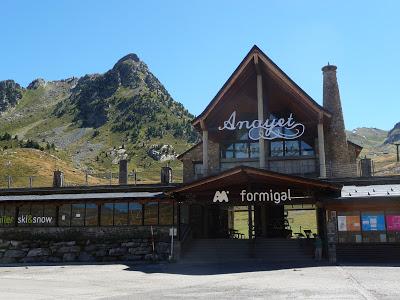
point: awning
(244, 175)
(84, 196)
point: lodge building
(273, 170)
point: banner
(373, 222)
(349, 223)
(393, 222)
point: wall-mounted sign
(6, 220)
(373, 222)
(393, 222)
(349, 223)
(268, 196)
(287, 129)
(29, 219)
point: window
(151, 213)
(240, 150)
(290, 148)
(107, 212)
(36, 214)
(24, 215)
(78, 214)
(50, 213)
(135, 213)
(120, 213)
(166, 213)
(91, 214)
(198, 168)
(64, 215)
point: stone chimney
(123, 172)
(58, 179)
(337, 153)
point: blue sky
(194, 46)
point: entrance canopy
(236, 180)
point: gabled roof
(249, 58)
(188, 150)
(243, 174)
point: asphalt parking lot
(212, 281)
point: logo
(268, 130)
(221, 196)
(271, 196)
(29, 219)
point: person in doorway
(318, 248)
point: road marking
(357, 285)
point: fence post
(30, 181)
(86, 177)
(9, 181)
(111, 178)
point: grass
(299, 220)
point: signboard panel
(373, 222)
(393, 222)
(349, 223)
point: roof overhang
(248, 175)
(256, 56)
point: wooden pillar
(321, 150)
(260, 110)
(205, 152)
(250, 217)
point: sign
(271, 196)
(268, 196)
(221, 196)
(268, 129)
(349, 223)
(393, 222)
(6, 220)
(373, 222)
(29, 219)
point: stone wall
(83, 244)
(196, 155)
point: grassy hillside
(95, 119)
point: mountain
(393, 135)
(91, 121)
(378, 145)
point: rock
(85, 257)
(54, 259)
(117, 251)
(142, 250)
(151, 257)
(161, 152)
(100, 253)
(68, 249)
(16, 244)
(36, 84)
(69, 257)
(38, 252)
(131, 257)
(14, 253)
(130, 244)
(162, 247)
(4, 244)
(90, 248)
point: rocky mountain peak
(36, 84)
(10, 94)
(129, 57)
(393, 135)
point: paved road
(212, 281)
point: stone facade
(337, 152)
(195, 155)
(83, 244)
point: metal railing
(82, 179)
